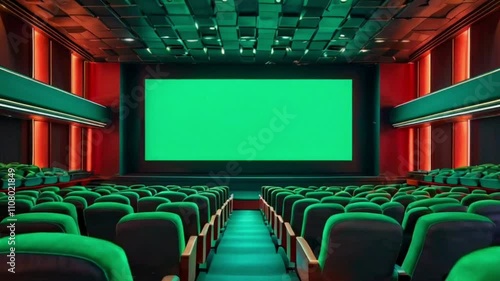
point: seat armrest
(290, 242)
(307, 264)
(188, 261)
(218, 218)
(203, 244)
(170, 278)
(400, 274)
(280, 227)
(213, 226)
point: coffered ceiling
(251, 31)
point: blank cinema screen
(248, 120)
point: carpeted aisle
(246, 253)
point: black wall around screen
(485, 140)
(365, 120)
(15, 145)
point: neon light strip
(54, 114)
(472, 109)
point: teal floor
(246, 253)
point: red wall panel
(424, 135)
(484, 45)
(41, 72)
(75, 152)
(103, 145)
(461, 72)
(397, 85)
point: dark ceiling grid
(251, 31)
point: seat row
(310, 219)
(194, 216)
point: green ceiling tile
(264, 45)
(288, 21)
(322, 36)
(145, 32)
(317, 45)
(303, 34)
(193, 44)
(142, 52)
(247, 52)
(248, 43)
(155, 44)
(158, 20)
(228, 33)
(159, 51)
(226, 18)
(354, 23)
(231, 45)
(179, 20)
(276, 8)
(267, 33)
(175, 7)
(188, 34)
(299, 45)
(267, 20)
(309, 22)
(166, 32)
(247, 21)
(330, 22)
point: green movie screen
(248, 120)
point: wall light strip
(49, 86)
(21, 107)
(451, 113)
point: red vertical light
(461, 72)
(75, 151)
(41, 73)
(424, 88)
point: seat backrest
(480, 265)
(343, 194)
(280, 198)
(32, 193)
(158, 188)
(57, 207)
(89, 196)
(117, 198)
(394, 210)
(212, 198)
(337, 200)
(150, 204)
(275, 193)
(448, 207)
(102, 191)
(187, 191)
(405, 199)
(315, 217)
(21, 206)
(101, 219)
(173, 196)
(319, 194)
(203, 204)
(132, 197)
(491, 210)
(288, 204)
(142, 192)
(39, 222)
(189, 214)
(430, 202)
(471, 198)
(50, 188)
(298, 209)
(363, 207)
(55, 256)
(441, 239)
(380, 200)
(461, 189)
(161, 233)
(360, 247)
